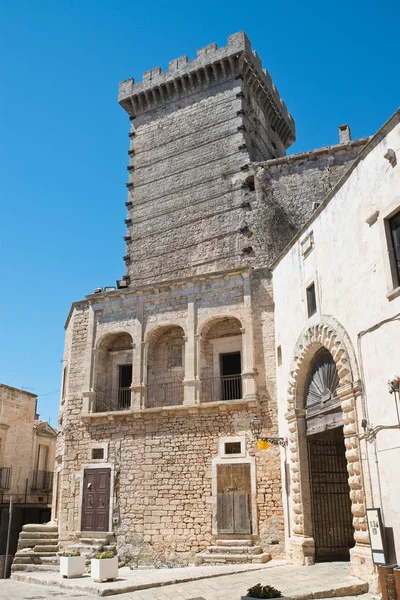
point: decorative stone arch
(327, 333)
(243, 327)
(101, 341)
(164, 365)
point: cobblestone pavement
(15, 590)
(323, 580)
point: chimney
(344, 134)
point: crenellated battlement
(212, 65)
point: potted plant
(104, 566)
(72, 564)
(263, 591)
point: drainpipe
(370, 434)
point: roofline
(373, 142)
(290, 158)
(71, 310)
(15, 389)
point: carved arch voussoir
(329, 334)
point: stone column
(248, 374)
(189, 382)
(360, 556)
(89, 394)
(137, 389)
(301, 547)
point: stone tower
(195, 129)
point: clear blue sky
(63, 137)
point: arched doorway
(328, 334)
(331, 514)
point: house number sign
(377, 536)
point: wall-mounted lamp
(256, 426)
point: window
(233, 448)
(124, 387)
(97, 453)
(175, 354)
(279, 355)
(394, 249)
(311, 300)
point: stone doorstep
(34, 559)
(213, 558)
(246, 550)
(244, 542)
(40, 528)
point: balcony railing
(42, 480)
(121, 402)
(227, 387)
(5, 478)
(165, 393)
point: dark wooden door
(233, 498)
(330, 500)
(96, 499)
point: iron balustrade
(122, 401)
(42, 480)
(165, 393)
(5, 478)
(124, 398)
(226, 387)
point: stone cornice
(212, 66)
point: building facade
(27, 448)
(336, 292)
(163, 375)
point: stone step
(33, 559)
(34, 535)
(211, 558)
(233, 542)
(48, 548)
(40, 528)
(32, 542)
(235, 549)
(97, 534)
(94, 541)
(22, 554)
(33, 567)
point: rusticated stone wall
(162, 460)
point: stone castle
(164, 375)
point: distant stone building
(27, 447)
(164, 375)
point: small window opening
(97, 453)
(279, 355)
(233, 448)
(311, 300)
(64, 381)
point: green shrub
(101, 555)
(263, 591)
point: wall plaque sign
(377, 536)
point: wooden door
(96, 499)
(233, 498)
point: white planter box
(72, 566)
(104, 568)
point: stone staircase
(37, 549)
(93, 542)
(232, 551)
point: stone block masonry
(195, 130)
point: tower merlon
(211, 66)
